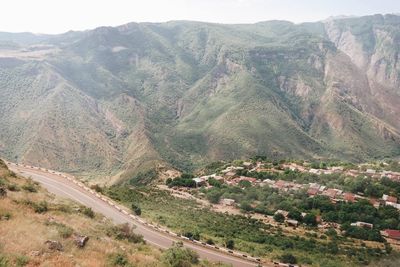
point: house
(363, 224)
(283, 212)
(388, 198)
(349, 197)
(227, 201)
(395, 205)
(199, 181)
(230, 174)
(293, 223)
(374, 202)
(312, 191)
(247, 165)
(331, 193)
(392, 234)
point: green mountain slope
(118, 100)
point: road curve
(67, 189)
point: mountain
(119, 100)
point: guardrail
(138, 219)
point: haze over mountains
(186, 93)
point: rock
(3, 192)
(80, 240)
(35, 253)
(54, 245)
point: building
(227, 201)
(388, 198)
(283, 212)
(293, 223)
(363, 224)
(349, 197)
(312, 191)
(199, 181)
(331, 193)
(392, 234)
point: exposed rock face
(3, 192)
(54, 245)
(80, 240)
(125, 99)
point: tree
(136, 209)
(310, 219)
(296, 215)
(278, 217)
(230, 244)
(214, 196)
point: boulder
(54, 245)
(3, 192)
(80, 240)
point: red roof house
(349, 197)
(393, 234)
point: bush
(21, 260)
(278, 217)
(29, 187)
(3, 261)
(178, 256)
(125, 232)
(64, 231)
(40, 207)
(210, 241)
(5, 216)
(118, 259)
(136, 209)
(97, 188)
(88, 212)
(288, 258)
(230, 244)
(13, 187)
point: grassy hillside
(115, 101)
(30, 216)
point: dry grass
(25, 234)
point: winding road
(63, 187)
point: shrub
(278, 217)
(125, 232)
(29, 187)
(178, 256)
(21, 260)
(13, 187)
(118, 259)
(230, 244)
(5, 216)
(40, 207)
(3, 261)
(97, 188)
(88, 212)
(210, 241)
(288, 258)
(136, 209)
(64, 231)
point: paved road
(64, 188)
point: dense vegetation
(240, 232)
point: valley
(115, 101)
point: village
(231, 176)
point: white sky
(56, 16)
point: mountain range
(119, 100)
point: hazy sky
(56, 16)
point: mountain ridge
(182, 94)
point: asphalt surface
(67, 189)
